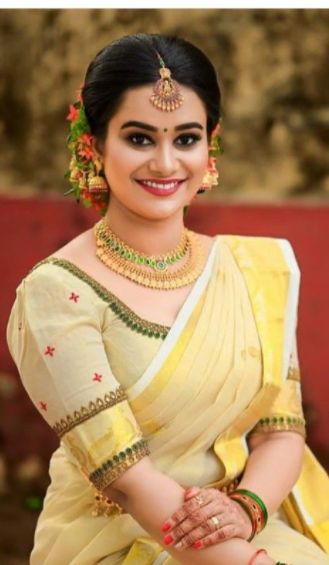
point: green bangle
(247, 511)
(258, 501)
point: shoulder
(57, 283)
(59, 268)
(265, 253)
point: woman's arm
(151, 496)
(273, 466)
(272, 469)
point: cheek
(201, 156)
(122, 159)
(199, 161)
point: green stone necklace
(121, 249)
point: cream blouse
(69, 338)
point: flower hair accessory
(215, 148)
(85, 171)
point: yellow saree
(226, 368)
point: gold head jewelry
(166, 92)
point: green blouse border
(126, 315)
(280, 423)
(118, 464)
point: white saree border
(292, 303)
(176, 330)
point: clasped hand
(207, 517)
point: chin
(162, 211)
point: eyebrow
(142, 125)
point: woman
(165, 360)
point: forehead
(136, 105)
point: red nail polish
(168, 539)
(166, 526)
(197, 544)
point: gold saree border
(164, 374)
(69, 422)
(258, 259)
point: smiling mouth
(161, 185)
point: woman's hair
(132, 61)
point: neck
(149, 236)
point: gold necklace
(161, 263)
(164, 280)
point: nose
(164, 161)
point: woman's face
(154, 161)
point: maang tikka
(166, 94)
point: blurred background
(273, 68)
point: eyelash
(193, 136)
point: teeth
(165, 186)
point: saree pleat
(219, 368)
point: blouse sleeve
(286, 412)
(55, 338)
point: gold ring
(199, 500)
(215, 521)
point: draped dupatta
(223, 371)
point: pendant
(161, 266)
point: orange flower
(72, 114)
(86, 152)
(86, 138)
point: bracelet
(251, 516)
(254, 507)
(258, 501)
(258, 552)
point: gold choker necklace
(120, 248)
(148, 270)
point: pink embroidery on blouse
(74, 297)
(43, 405)
(50, 351)
(97, 377)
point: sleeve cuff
(114, 467)
(280, 424)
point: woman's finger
(223, 534)
(191, 491)
(211, 531)
(200, 522)
(190, 507)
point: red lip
(158, 190)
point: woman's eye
(139, 139)
(188, 139)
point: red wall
(32, 229)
